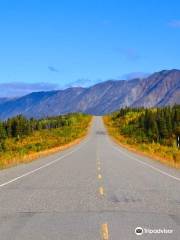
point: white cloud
(134, 75)
(82, 82)
(174, 24)
(14, 89)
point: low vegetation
(22, 139)
(152, 131)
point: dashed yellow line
(99, 176)
(104, 227)
(101, 191)
(104, 231)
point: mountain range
(159, 89)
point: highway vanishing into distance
(93, 191)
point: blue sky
(51, 44)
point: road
(93, 191)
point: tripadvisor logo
(139, 231)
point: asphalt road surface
(93, 191)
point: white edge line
(149, 165)
(44, 166)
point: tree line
(19, 126)
(161, 125)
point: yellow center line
(99, 176)
(101, 191)
(99, 168)
(104, 232)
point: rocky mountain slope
(159, 89)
